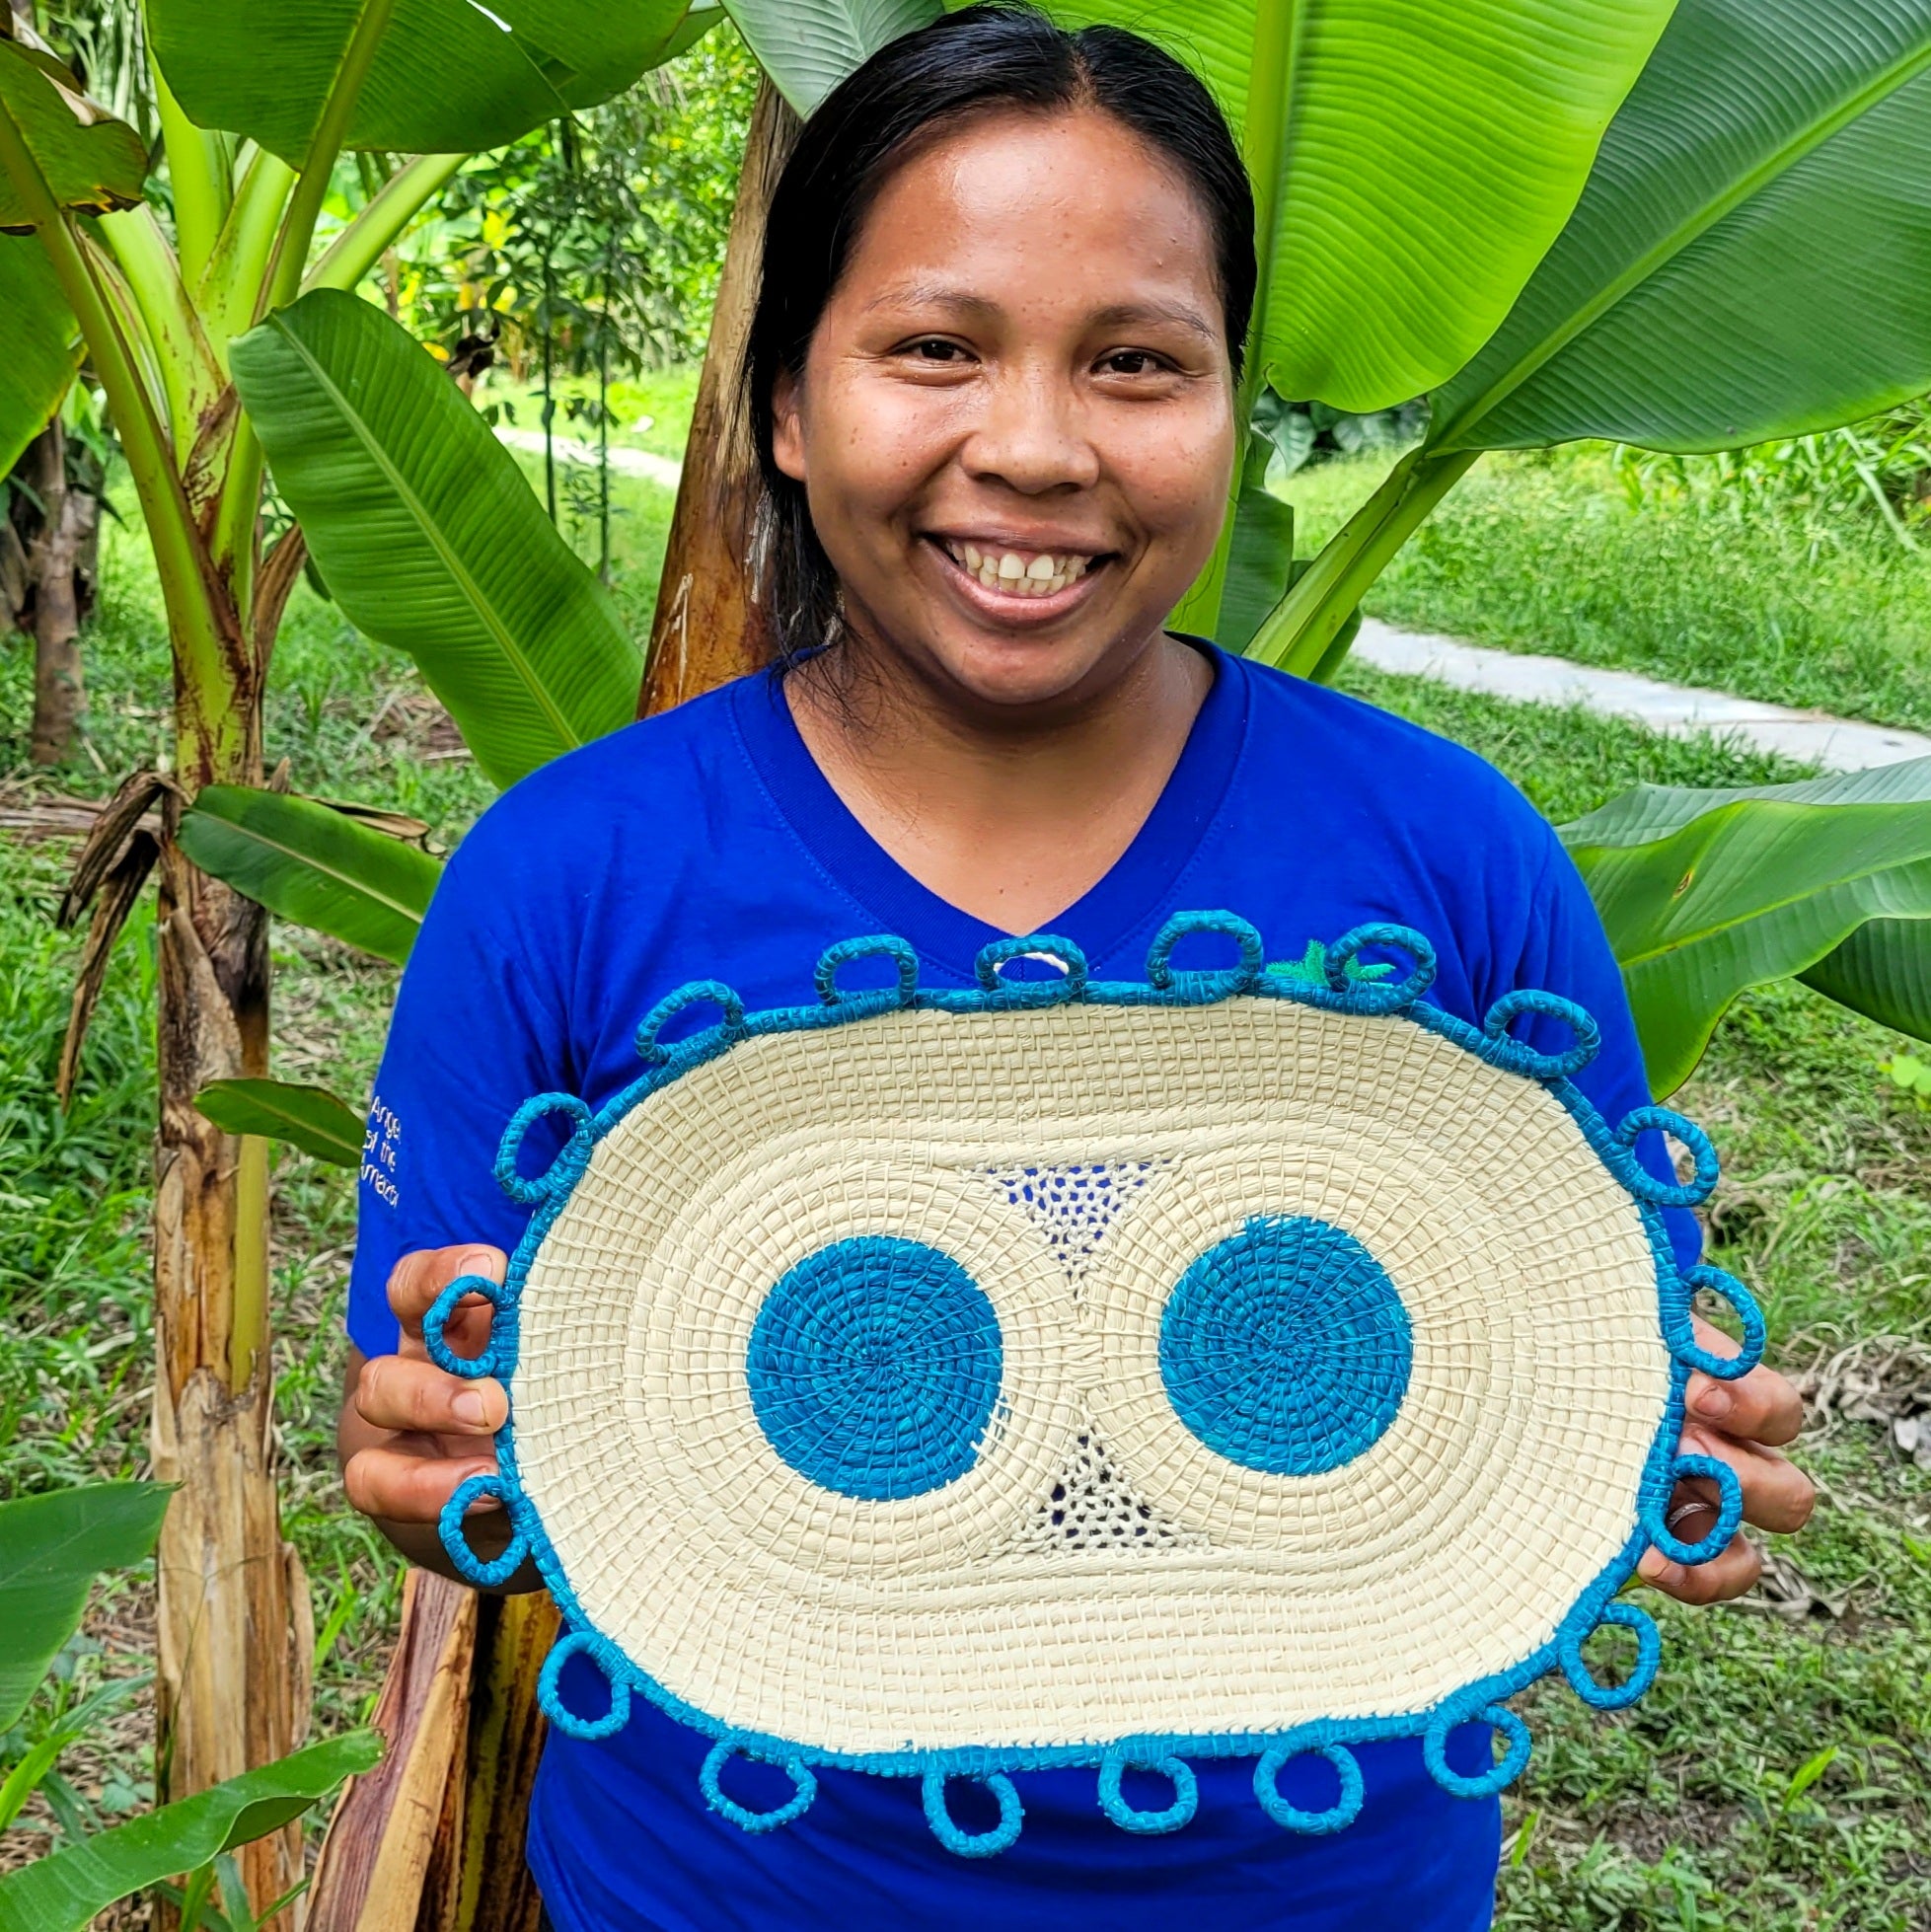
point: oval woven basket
(1242, 1362)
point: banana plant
(151, 282)
(52, 1548)
(1739, 267)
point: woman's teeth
(1018, 574)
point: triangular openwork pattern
(1090, 1507)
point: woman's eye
(937, 349)
(1130, 362)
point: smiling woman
(992, 382)
(989, 481)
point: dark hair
(980, 60)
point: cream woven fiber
(1099, 1572)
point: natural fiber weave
(1227, 1363)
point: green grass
(1544, 551)
(1686, 1813)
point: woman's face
(1016, 425)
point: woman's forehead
(989, 206)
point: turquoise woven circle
(874, 1367)
(1286, 1348)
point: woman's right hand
(411, 1432)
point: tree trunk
(708, 626)
(481, 1762)
(60, 572)
(236, 1636)
(49, 540)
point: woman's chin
(1027, 672)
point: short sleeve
(1566, 951)
(471, 1039)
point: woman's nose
(1032, 436)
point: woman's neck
(1011, 819)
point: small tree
(49, 546)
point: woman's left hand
(1746, 1424)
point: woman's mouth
(1010, 581)
(1020, 573)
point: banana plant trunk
(235, 1636)
(708, 626)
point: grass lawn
(1778, 1778)
(1544, 551)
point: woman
(992, 379)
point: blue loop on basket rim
(1290, 1817)
(1042, 993)
(435, 1324)
(1729, 1512)
(973, 1844)
(1649, 1659)
(804, 1782)
(878, 945)
(1211, 981)
(1650, 1187)
(1499, 1776)
(550, 1693)
(485, 1572)
(1526, 1059)
(565, 1166)
(698, 992)
(1379, 996)
(1128, 1818)
(1679, 1332)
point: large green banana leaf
(52, 1548)
(66, 1892)
(1707, 893)
(316, 866)
(1752, 256)
(307, 1117)
(807, 46)
(428, 536)
(88, 160)
(37, 329)
(1412, 161)
(449, 76)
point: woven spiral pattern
(873, 1366)
(1285, 1347)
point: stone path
(1835, 744)
(663, 470)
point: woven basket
(1069, 1372)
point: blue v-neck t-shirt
(706, 843)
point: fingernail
(1714, 1402)
(1669, 1573)
(469, 1408)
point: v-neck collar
(1134, 891)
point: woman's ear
(786, 431)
